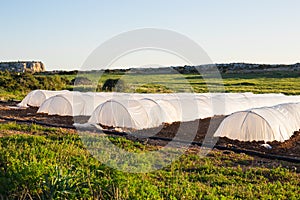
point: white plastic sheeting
(128, 113)
(149, 113)
(276, 123)
(187, 106)
(226, 105)
(63, 105)
(148, 110)
(37, 97)
(259, 117)
(72, 104)
(91, 101)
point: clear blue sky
(62, 33)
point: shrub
(110, 85)
(81, 81)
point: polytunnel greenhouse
(63, 105)
(72, 104)
(140, 111)
(149, 113)
(128, 114)
(36, 97)
(276, 123)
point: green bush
(116, 85)
(23, 83)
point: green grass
(53, 163)
(267, 82)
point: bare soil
(200, 130)
(9, 110)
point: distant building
(22, 66)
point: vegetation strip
(236, 150)
(36, 122)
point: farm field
(165, 100)
(42, 162)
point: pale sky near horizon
(63, 33)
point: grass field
(46, 163)
(277, 82)
(268, 82)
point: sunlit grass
(287, 83)
(50, 166)
(269, 82)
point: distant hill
(223, 68)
